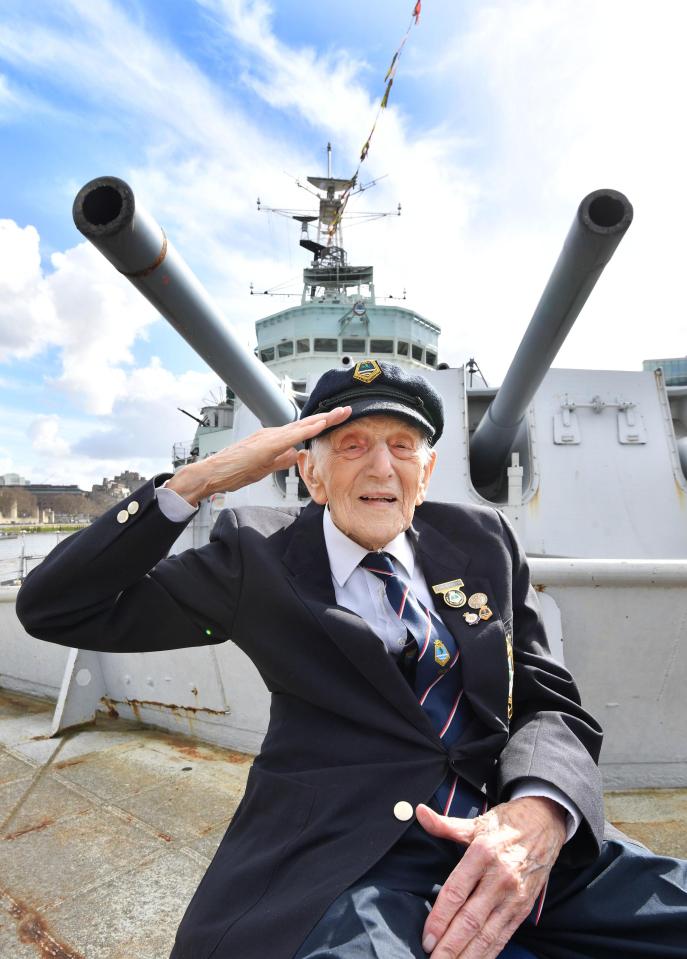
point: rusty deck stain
(135, 705)
(46, 821)
(33, 930)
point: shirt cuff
(174, 507)
(539, 787)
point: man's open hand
(511, 851)
(252, 458)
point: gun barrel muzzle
(106, 213)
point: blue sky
(503, 116)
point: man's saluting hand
(252, 458)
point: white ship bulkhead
(303, 342)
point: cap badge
(366, 371)
(452, 593)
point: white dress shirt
(362, 592)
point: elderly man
(427, 762)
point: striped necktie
(437, 679)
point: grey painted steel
(663, 573)
(81, 692)
(682, 453)
(106, 213)
(601, 221)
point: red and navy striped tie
(437, 679)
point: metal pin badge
(485, 613)
(452, 593)
(471, 618)
(477, 600)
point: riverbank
(45, 528)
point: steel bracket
(83, 686)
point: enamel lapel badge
(452, 593)
(441, 655)
(479, 611)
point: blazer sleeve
(112, 588)
(551, 736)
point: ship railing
(183, 453)
(15, 569)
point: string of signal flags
(389, 82)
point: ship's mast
(329, 276)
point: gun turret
(600, 224)
(106, 213)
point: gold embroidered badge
(366, 371)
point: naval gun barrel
(106, 213)
(601, 222)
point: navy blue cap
(378, 388)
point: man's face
(372, 472)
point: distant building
(122, 485)
(51, 488)
(13, 479)
(674, 369)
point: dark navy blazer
(347, 738)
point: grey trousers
(374, 922)
(628, 904)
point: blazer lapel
(307, 560)
(482, 647)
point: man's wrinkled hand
(511, 851)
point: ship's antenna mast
(329, 264)
(389, 81)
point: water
(35, 546)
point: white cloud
(44, 434)
(146, 421)
(93, 316)
(8, 98)
(576, 96)
(138, 434)
(28, 321)
(101, 317)
(83, 307)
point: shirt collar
(345, 555)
